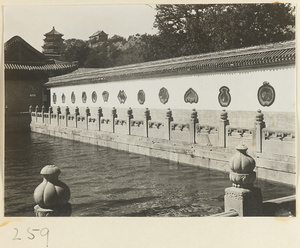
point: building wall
(243, 86)
(22, 90)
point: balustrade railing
(221, 135)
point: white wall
(243, 87)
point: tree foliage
(75, 50)
(212, 27)
(186, 29)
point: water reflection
(106, 182)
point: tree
(212, 27)
(75, 50)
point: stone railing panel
(278, 142)
(105, 124)
(46, 118)
(71, 121)
(238, 135)
(92, 123)
(207, 135)
(137, 127)
(180, 131)
(39, 117)
(53, 119)
(121, 126)
(81, 122)
(62, 120)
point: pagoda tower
(53, 44)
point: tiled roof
(47, 67)
(17, 41)
(97, 33)
(252, 57)
(53, 31)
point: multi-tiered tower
(53, 44)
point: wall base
(276, 168)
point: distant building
(97, 39)
(26, 71)
(53, 44)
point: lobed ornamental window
(94, 96)
(73, 99)
(83, 97)
(163, 95)
(54, 98)
(266, 94)
(63, 98)
(122, 96)
(191, 96)
(141, 97)
(224, 96)
(105, 96)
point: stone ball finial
(58, 109)
(224, 115)
(100, 111)
(51, 193)
(147, 113)
(76, 111)
(129, 112)
(114, 111)
(242, 166)
(67, 110)
(87, 111)
(194, 114)
(259, 116)
(169, 113)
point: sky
(79, 22)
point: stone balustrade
(220, 134)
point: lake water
(107, 182)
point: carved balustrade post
(43, 111)
(222, 135)
(259, 125)
(129, 117)
(50, 111)
(52, 195)
(243, 197)
(87, 114)
(192, 126)
(169, 118)
(58, 114)
(30, 112)
(67, 111)
(36, 111)
(100, 114)
(113, 117)
(146, 122)
(76, 114)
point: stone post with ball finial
(243, 197)
(52, 195)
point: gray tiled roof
(252, 57)
(46, 67)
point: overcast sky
(80, 22)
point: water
(107, 182)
